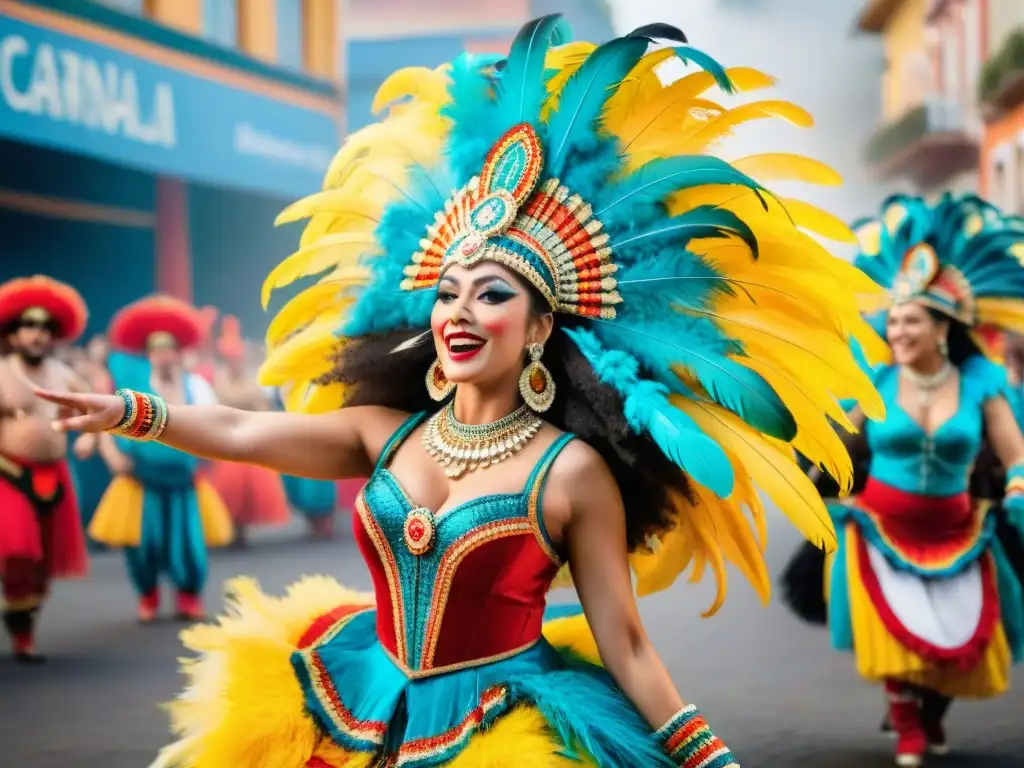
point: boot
(905, 716)
(189, 607)
(149, 605)
(20, 626)
(934, 707)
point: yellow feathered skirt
(244, 706)
(118, 518)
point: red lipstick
(463, 346)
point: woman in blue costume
(159, 507)
(921, 589)
(540, 293)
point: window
(289, 33)
(220, 21)
(135, 7)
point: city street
(769, 685)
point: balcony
(928, 144)
(1001, 87)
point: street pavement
(769, 685)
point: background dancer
(921, 589)
(253, 495)
(158, 507)
(41, 534)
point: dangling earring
(438, 386)
(944, 347)
(535, 383)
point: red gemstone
(538, 382)
(417, 530)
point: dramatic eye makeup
(497, 291)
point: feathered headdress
(56, 301)
(697, 294)
(961, 256)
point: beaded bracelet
(145, 416)
(1015, 479)
(688, 740)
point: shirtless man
(40, 531)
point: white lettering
(251, 141)
(66, 86)
(10, 47)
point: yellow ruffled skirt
(118, 518)
(244, 705)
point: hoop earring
(944, 348)
(536, 385)
(438, 386)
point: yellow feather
(816, 220)
(323, 398)
(1004, 313)
(326, 253)
(773, 470)
(640, 80)
(301, 310)
(783, 166)
(722, 126)
(417, 82)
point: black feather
(660, 31)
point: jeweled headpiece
(549, 236)
(695, 294)
(961, 256)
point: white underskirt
(944, 612)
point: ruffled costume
(920, 588)
(690, 289)
(254, 495)
(166, 513)
(41, 535)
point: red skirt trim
(967, 655)
(33, 526)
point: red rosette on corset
(59, 300)
(230, 344)
(133, 325)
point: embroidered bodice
(486, 564)
(906, 457)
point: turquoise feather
(522, 90)
(648, 411)
(708, 64)
(701, 222)
(584, 96)
(658, 179)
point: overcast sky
(809, 46)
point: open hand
(89, 413)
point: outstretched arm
(595, 538)
(325, 446)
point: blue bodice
(906, 457)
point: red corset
(475, 593)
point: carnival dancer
(41, 534)
(921, 589)
(158, 507)
(254, 495)
(561, 330)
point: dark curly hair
(961, 345)
(586, 407)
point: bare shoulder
(63, 373)
(580, 480)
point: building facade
(148, 144)
(385, 35)
(1000, 91)
(932, 129)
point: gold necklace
(462, 448)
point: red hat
(230, 344)
(60, 301)
(132, 327)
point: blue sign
(78, 96)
